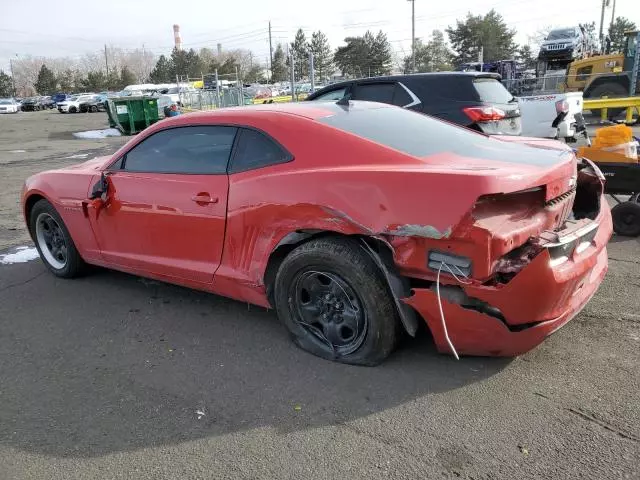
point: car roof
(411, 77)
(308, 110)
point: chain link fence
(559, 82)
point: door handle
(204, 198)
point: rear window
(420, 135)
(491, 91)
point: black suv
(473, 99)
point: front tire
(334, 301)
(72, 110)
(53, 241)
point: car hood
(571, 41)
(90, 166)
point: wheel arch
(30, 200)
(377, 248)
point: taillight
(484, 114)
(562, 106)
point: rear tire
(626, 219)
(334, 301)
(53, 241)
(610, 90)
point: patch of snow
(93, 134)
(21, 255)
(79, 155)
(17, 151)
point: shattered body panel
(500, 214)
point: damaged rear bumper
(538, 301)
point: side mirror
(100, 189)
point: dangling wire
(444, 323)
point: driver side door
(165, 212)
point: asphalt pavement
(112, 376)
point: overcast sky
(74, 27)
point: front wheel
(334, 301)
(73, 110)
(53, 241)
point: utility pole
(13, 77)
(613, 13)
(270, 53)
(106, 59)
(601, 37)
(293, 78)
(413, 35)
(145, 74)
(312, 73)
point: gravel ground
(116, 377)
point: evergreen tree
(489, 32)
(300, 51)
(322, 55)
(6, 85)
(161, 73)
(279, 67)
(127, 77)
(46, 82)
(616, 33)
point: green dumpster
(131, 115)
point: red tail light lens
(484, 114)
(562, 106)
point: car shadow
(113, 362)
(623, 239)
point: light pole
(13, 77)
(413, 36)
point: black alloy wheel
(329, 308)
(333, 298)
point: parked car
(472, 99)
(564, 44)
(9, 105)
(97, 104)
(47, 102)
(60, 97)
(32, 104)
(340, 217)
(72, 104)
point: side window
(631, 46)
(375, 92)
(256, 150)
(583, 73)
(403, 97)
(201, 149)
(336, 94)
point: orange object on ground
(613, 144)
(612, 136)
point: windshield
(173, 90)
(560, 34)
(6, 102)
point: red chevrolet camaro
(353, 221)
